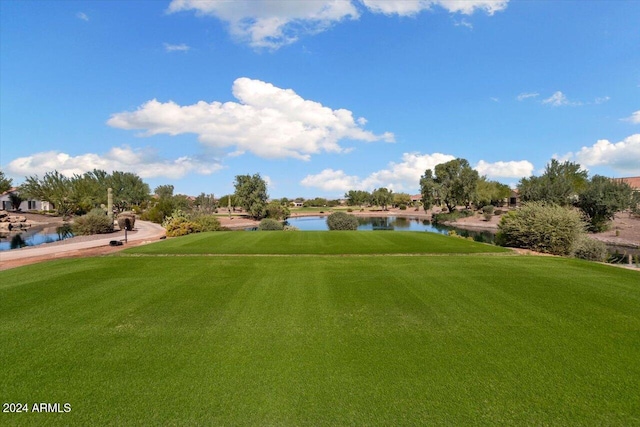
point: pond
(390, 223)
(34, 236)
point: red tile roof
(633, 181)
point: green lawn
(317, 243)
(326, 340)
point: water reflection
(392, 223)
(17, 242)
(35, 236)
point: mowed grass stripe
(324, 341)
(315, 242)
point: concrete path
(144, 232)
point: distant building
(634, 182)
(25, 206)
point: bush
(487, 212)
(269, 224)
(541, 227)
(349, 210)
(342, 221)
(403, 207)
(95, 222)
(488, 209)
(178, 224)
(590, 249)
(498, 212)
(207, 223)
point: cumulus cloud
(144, 163)
(330, 180)
(268, 23)
(623, 156)
(405, 175)
(513, 169)
(176, 47)
(82, 16)
(268, 121)
(633, 118)
(275, 23)
(400, 176)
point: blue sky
(317, 96)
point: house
(25, 205)
(634, 182)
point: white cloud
(330, 180)
(83, 16)
(405, 175)
(275, 23)
(633, 118)
(526, 95)
(269, 23)
(145, 163)
(602, 100)
(176, 47)
(401, 176)
(412, 7)
(513, 169)
(559, 99)
(623, 156)
(268, 121)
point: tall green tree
(401, 199)
(128, 190)
(491, 192)
(54, 188)
(561, 183)
(601, 199)
(382, 197)
(164, 191)
(454, 181)
(206, 203)
(5, 183)
(251, 192)
(357, 197)
(429, 190)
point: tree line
(564, 184)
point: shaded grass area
(322, 341)
(316, 242)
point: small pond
(390, 223)
(34, 236)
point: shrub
(277, 211)
(95, 222)
(291, 228)
(342, 221)
(487, 212)
(178, 224)
(349, 210)
(498, 212)
(207, 223)
(403, 207)
(590, 249)
(269, 224)
(541, 227)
